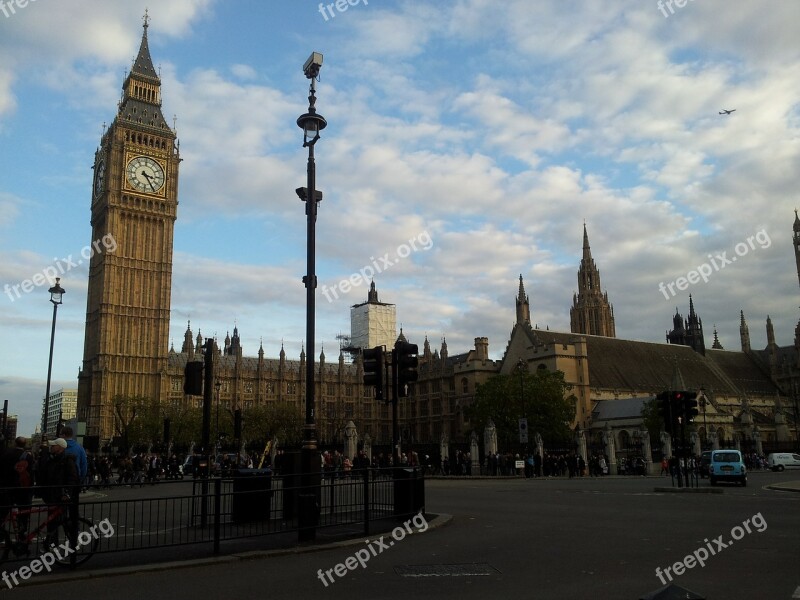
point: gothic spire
(523, 305)
(143, 65)
(188, 346)
(796, 241)
(591, 312)
(141, 95)
(744, 333)
(716, 345)
(770, 332)
(587, 251)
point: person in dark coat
(59, 482)
(15, 486)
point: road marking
(796, 592)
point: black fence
(249, 504)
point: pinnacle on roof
(373, 293)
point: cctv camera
(312, 65)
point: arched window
(624, 439)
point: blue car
(727, 465)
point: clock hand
(149, 180)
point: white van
(778, 461)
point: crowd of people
(54, 474)
(754, 461)
(533, 465)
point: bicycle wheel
(86, 543)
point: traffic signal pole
(395, 427)
(678, 449)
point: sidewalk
(434, 521)
(788, 486)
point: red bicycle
(13, 540)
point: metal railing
(247, 505)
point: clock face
(99, 176)
(145, 174)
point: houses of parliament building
(748, 393)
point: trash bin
(252, 495)
(409, 492)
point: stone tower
(591, 312)
(134, 202)
(373, 323)
(689, 332)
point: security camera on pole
(311, 123)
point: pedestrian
(59, 483)
(16, 482)
(664, 466)
(76, 450)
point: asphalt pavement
(608, 538)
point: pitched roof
(627, 364)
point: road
(557, 538)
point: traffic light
(374, 370)
(677, 410)
(405, 355)
(667, 411)
(690, 406)
(193, 378)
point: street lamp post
(521, 368)
(795, 397)
(311, 123)
(704, 400)
(217, 386)
(56, 292)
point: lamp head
(56, 292)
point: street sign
(523, 431)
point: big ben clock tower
(134, 202)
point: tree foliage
(281, 420)
(539, 396)
(139, 421)
(651, 419)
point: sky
(468, 142)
